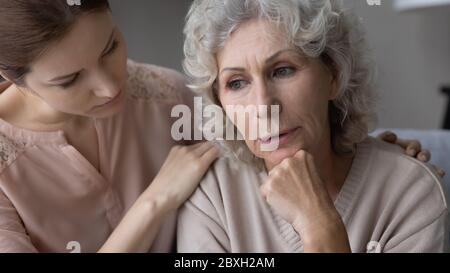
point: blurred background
(410, 43)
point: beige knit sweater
(389, 203)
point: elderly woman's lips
(282, 137)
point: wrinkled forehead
(256, 39)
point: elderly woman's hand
(296, 192)
(412, 148)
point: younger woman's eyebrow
(111, 36)
(71, 75)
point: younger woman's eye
(236, 85)
(70, 83)
(113, 47)
(283, 72)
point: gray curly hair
(320, 29)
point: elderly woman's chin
(274, 155)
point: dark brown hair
(28, 27)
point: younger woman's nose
(105, 86)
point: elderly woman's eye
(236, 84)
(283, 72)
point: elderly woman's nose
(265, 98)
(263, 95)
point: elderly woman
(328, 187)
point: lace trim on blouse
(9, 150)
(152, 83)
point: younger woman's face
(84, 73)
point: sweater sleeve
(200, 227)
(432, 238)
(421, 219)
(13, 237)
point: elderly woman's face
(256, 67)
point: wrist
(320, 219)
(322, 233)
(326, 233)
(156, 203)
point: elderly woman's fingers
(424, 155)
(388, 136)
(438, 170)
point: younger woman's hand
(412, 148)
(175, 182)
(181, 173)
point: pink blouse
(52, 198)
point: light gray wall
(153, 29)
(412, 51)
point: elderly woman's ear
(334, 92)
(333, 72)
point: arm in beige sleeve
(431, 238)
(199, 228)
(421, 223)
(13, 236)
